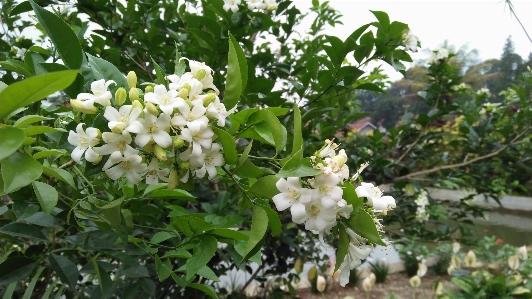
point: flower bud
(132, 79)
(148, 88)
(421, 269)
(470, 259)
(456, 247)
(120, 96)
(160, 153)
(271, 7)
(450, 270)
(149, 148)
(415, 281)
(19, 39)
(152, 109)
(513, 262)
(78, 106)
(367, 284)
(97, 160)
(200, 74)
(137, 104)
(174, 179)
(321, 283)
(455, 262)
(134, 94)
(185, 165)
(312, 272)
(437, 287)
(522, 253)
(340, 160)
(183, 93)
(298, 266)
(211, 97)
(187, 87)
(118, 128)
(178, 142)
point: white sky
(482, 24)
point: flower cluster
(173, 122)
(410, 41)
(438, 55)
(233, 5)
(422, 201)
(319, 204)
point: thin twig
(411, 147)
(252, 277)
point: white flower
(152, 127)
(367, 283)
(231, 5)
(198, 139)
(359, 171)
(513, 262)
(270, 5)
(470, 259)
(84, 142)
(20, 52)
(522, 253)
(421, 269)
(218, 111)
(99, 95)
(456, 247)
(294, 197)
(329, 150)
(415, 281)
(114, 143)
(194, 119)
(375, 198)
(203, 72)
(212, 158)
(327, 190)
(438, 55)
(410, 42)
(319, 218)
(166, 99)
(321, 283)
(121, 118)
(155, 173)
(353, 258)
(252, 4)
(129, 164)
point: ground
(397, 284)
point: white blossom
(253, 4)
(353, 259)
(212, 158)
(99, 95)
(129, 164)
(122, 117)
(231, 5)
(84, 141)
(154, 173)
(198, 139)
(327, 190)
(152, 127)
(194, 119)
(114, 143)
(166, 99)
(410, 42)
(203, 72)
(375, 198)
(218, 111)
(292, 196)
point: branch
(465, 163)
(252, 277)
(411, 147)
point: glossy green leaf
(383, 18)
(161, 237)
(60, 174)
(159, 73)
(305, 168)
(228, 233)
(351, 196)
(208, 273)
(265, 187)
(48, 153)
(362, 223)
(25, 92)
(273, 220)
(31, 286)
(297, 146)
(15, 268)
(180, 66)
(47, 196)
(105, 70)
(228, 144)
(29, 119)
(41, 219)
(12, 139)
(203, 252)
(8, 294)
(23, 230)
(237, 74)
(36, 130)
(343, 247)
(111, 212)
(22, 7)
(259, 224)
(65, 40)
(164, 269)
(16, 66)
(271, 125)
(19, 170)
(136, 272)
(65, 269)
(177, 194)
(207, 289)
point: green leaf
(350, 196)
(47, 153)
(297, 146)
(137, 272)
(29, 119)
(25, 92)
(237, 74)
(161, 237)
(65, 269)
(180, 66)
(47, 196)
(19, 170)
(305, 169)
(159, 72)
(207, 289)
(111, 213)
(164, 269)
(20, 8)
(228, 233)
(31, 286)
(343, 247)
(203, 252)
(105, 70)
(36, 130)
(228, 144)
(16, 66)
(259, 224)
(23, 230)
(8, 294)
(60, 174)
(273, 220)
(65, 40)
(12, 139)
(176, 193)
(208, 273)
(273, 127)
(383, 18)
(362, 223)
(265, 187)
(15, 268)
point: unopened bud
(178, 142)
(211, 97)
(174, 179)
(183, 93)
(271, 7)
(19, 39)
(321, 283)
(97, 160)
(312, 273)
(134, 94)
(137, 104)
(187, 87)
(148, 88)
(120, 96)
(160, 153)
(118, 128)
(132, 79)
(149, 148)
(185, 165)
(152, 109)
(189, 102)
(340, 160)
(78, 106)
(298, 266)
(200, 74)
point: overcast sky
(482, 24)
